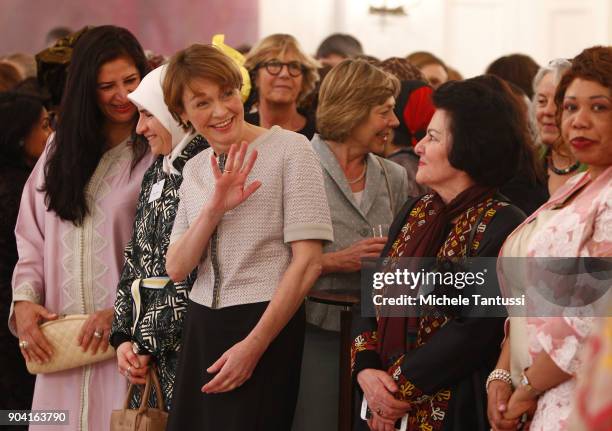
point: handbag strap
(144, 402)
(158, 391)
(126, 403)
(147, 283)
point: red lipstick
(581, 143)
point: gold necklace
(360, 177)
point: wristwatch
(527, 385)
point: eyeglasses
(274, 67)
(560, 62)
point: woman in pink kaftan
(75, 219)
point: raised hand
(230, 190)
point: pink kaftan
(70, 269)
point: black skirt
(265, 402)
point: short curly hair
(592, 64)
(347, 95)
(487, 129)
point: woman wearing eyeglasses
(283, 76)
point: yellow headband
(218, 41)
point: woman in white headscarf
(149, 308)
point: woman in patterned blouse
(149, 308)
(432, 367)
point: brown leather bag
(145, 418)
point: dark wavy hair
(19, 113)
(529, 165)
(79, 140)
(488, 131)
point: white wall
(468, 34)
(308, 20)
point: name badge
(156, 191)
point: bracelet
(498, 374)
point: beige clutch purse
(62, 335)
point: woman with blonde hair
(355, 120)
(283, 76)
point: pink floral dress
(581, 226)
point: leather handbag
(62, 334)
(144, 418)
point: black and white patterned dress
(159, 327)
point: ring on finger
(23, 344)
(127, 372)
(97, 333)
(380, 412)
(227, 171)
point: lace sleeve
(562, 338)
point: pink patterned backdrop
(162, 26)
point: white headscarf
(149, 96)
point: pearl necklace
(360, 177)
